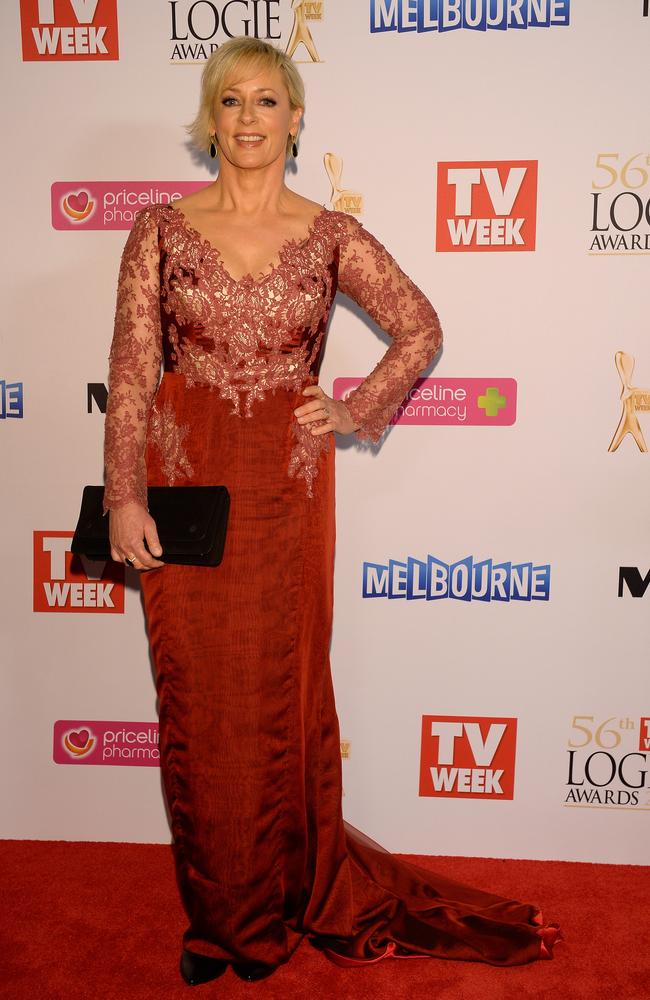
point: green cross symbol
(492, 401)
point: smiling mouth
(249, 138)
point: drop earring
(213, 146)
(294, 148)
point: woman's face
(253, 119)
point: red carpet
(95, 921)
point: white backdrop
(395, 107)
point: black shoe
(251, 971)
(197, 969)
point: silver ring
(128, 562)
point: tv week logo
(644, 734)
(69, 29)
(487, 205)
(468, 757)
(67, 583)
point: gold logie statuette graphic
(304, 11)
(634, 401)
(345, 754)
(340, 199)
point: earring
(294, 148)
(214, 149)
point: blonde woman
(230, 290)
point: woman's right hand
(128, 526)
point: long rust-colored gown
(250, 750)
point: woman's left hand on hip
(333, 412)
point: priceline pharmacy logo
(431, 579)
(465, 402)
(112, 743)
(90, 204)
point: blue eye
(265, 100)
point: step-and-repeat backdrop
(492, 588)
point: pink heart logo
(79, 201)
(80, 739)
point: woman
(231, 289)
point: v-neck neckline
(248, 279)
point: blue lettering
(428, 14)
(541, 586)
(407, 19)
(11, 399)
(396, 579)
(522, 581)
(451, 15)
(473, 15)
(416, 580)
(438, 583)
(465, 580)
(482, 580)
(375, 580)
(460, 580)
(539, 15)
(518, 14)
(501, 577)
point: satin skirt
(249, 735)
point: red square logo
(68, 29)
(644, 734)
(67, 583)
(487, 205)
(468, 757)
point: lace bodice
(178, 306)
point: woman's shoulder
(345, 226)
(312, 212)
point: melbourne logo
(468, 757)
(431, 579)
(451, 401)
(67, 583)
(487, 205)
(198, 27)
(341, 199)
(11, 400)
(620, 205)
(69, 29)
(476, 15)
(607, 763)
(110, 204)
(113, 743)
(633, 401)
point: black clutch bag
(191, 523)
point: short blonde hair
(226, 64)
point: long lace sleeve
(134, 364)
(370, 276)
